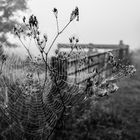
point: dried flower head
(77, 40)
(33, 21)
(74, 39)
(45, 37)
(55, 11)
(75, 14)
(17, 30)
(43, 44)
(56, 51)
(71, 40)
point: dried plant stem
(57, 36)
(46, 65)
(25, 48)
(57, 25)
(52, 43)
(45, 61)
(65, 27)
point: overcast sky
(101, 21)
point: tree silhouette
(7, 10)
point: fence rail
(79, 70)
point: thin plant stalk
(25, 48)
(57, 36)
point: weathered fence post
(121, 53)
(96, 61)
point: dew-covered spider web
(32, 109)
(29, 110)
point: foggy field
(126, 104)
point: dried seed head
(33, 22)
(56, 51)
(55, 11)
(70, 39)
(77, 40)
(75, 14)
(45, 37)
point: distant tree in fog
(8, 8)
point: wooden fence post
(120, 53)
(99, 61)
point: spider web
(29, 111)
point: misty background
(101, 22)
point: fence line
(80, 70)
